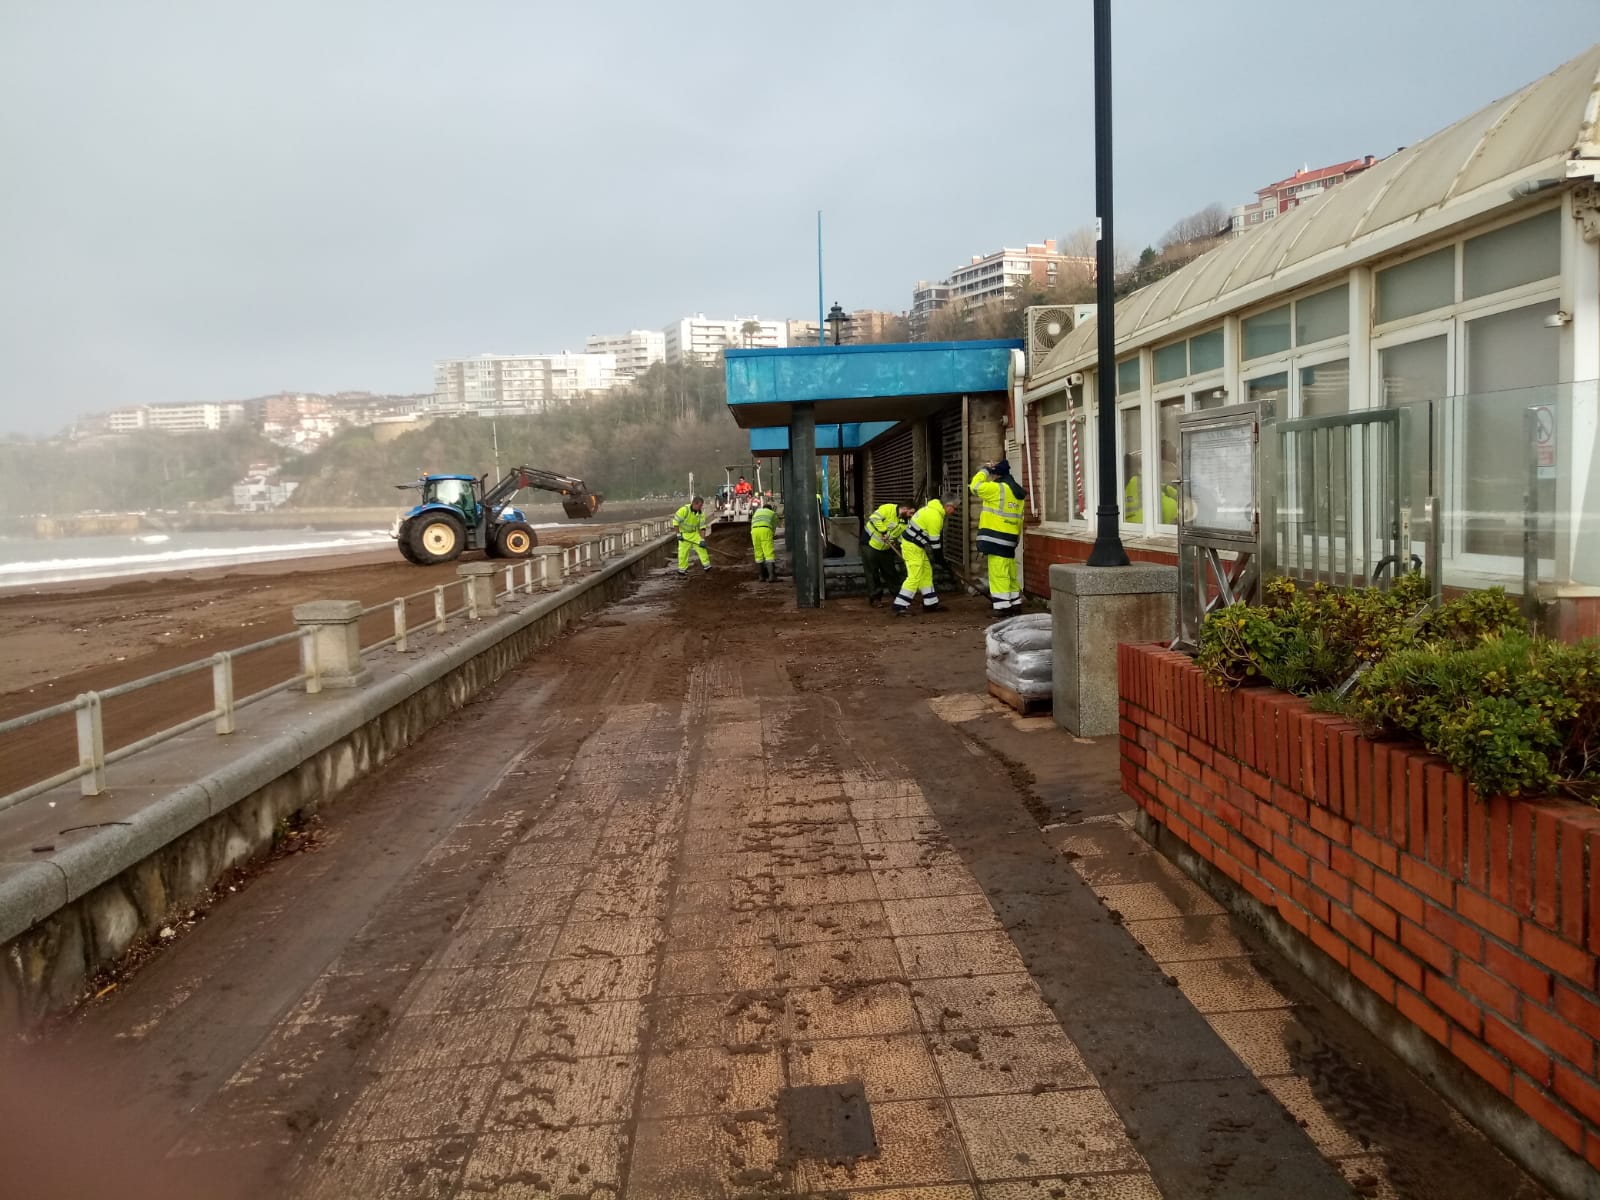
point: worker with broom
(689, 522)
(763, 523)
(880, 556)
(920, 544)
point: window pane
(1267, 333)
(1325, 389)
(1211, 397)
(1414, 374)
(1055, 471)
(1417, 286)
(1167, 414)
(1053, 406)
(1512, 256)
(1131, 428)
(1272, 390)
(1172, 362)
(1325, 315)
(1205, 352)
(1508, 350)
(1128, 376)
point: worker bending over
(999, 531)
(689, 522)
(763, 521)
(880, 557)
(920, 542)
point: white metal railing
(88, 708)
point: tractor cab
(457, 491)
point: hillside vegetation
(127, 473)
(636, 440)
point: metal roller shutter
(892, 472)
(953, 486)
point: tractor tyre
(515, 539)
(404, 541)
(437, 538)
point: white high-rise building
(176, 418)
(700, 339)
(636, 351)
(519, 383)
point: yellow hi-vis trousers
(685, 541)
(761, 542)
(919, 577)
(1005, 583)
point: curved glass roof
(1457, 174)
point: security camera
(1075, 379)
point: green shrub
(1515, 714)
(1312, 640)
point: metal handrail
(93, 758)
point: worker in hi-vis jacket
(763, 522)
(689, 521)
(919, 545)
(880, 557)
(999, 532)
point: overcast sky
(215, 199)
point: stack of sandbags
(1019, 655)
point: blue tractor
(461, 512)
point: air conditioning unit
(1046, 325)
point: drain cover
(832, 1123)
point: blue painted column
(800, 511)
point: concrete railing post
(479, 579)
(335, 629)
(547, 563)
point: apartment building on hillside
(493, 384)
(636, 351)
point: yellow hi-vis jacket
(927, 527)
(763, 517)
(1000, 522)
(688, 522)
(885, 526)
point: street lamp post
(837, 320)
(1107, 550)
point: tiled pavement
(692, 929)
(767, 892)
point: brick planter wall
(1477, 922)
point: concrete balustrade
(547, 563)
(478, 579)
(335, 627)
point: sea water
(26, 562)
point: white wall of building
(519, 383)
(636, 351)
(700, 338)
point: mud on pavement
(719, 898)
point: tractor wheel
(437, 538)
(515, 539)
(404, 541)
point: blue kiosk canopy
(895, 382)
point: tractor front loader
(461, 512)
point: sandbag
(1020, 653)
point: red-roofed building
(1278, 198)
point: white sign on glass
(1219, 478)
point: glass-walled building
(1457, 281)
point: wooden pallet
(1027, 706)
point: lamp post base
(1107, 550)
